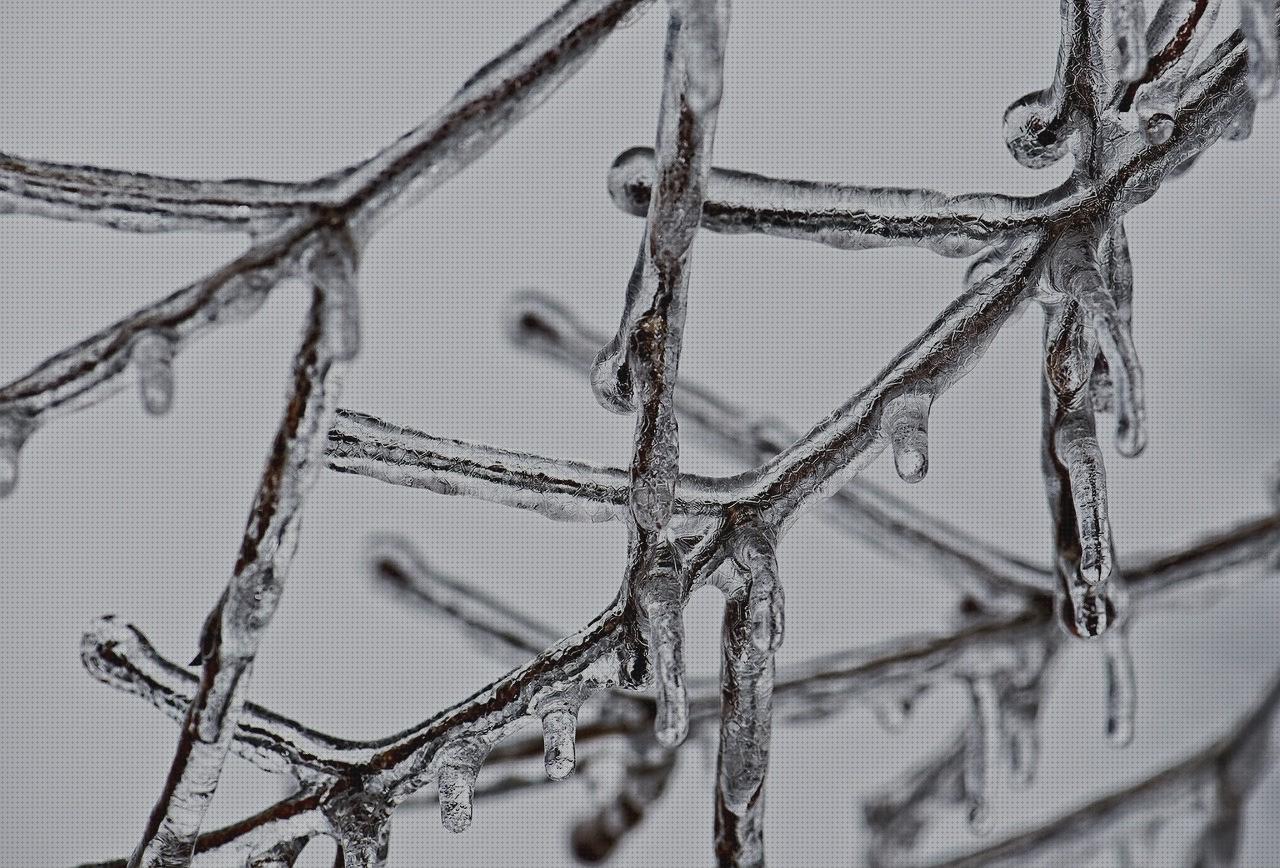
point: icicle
(1077, 271)
(361, 826)
(661, 603)
(1121, 692)
(152, 356)
(765, 600)
(333, 270)
(906, 423)
(15, 428)
(1078, 451)
(666, 644)
(1158, 101)
(456, 782)
(1129, 24)
(559, 728)
(982, 752)
(1258, 23)
(1020, 722)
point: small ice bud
(1121, 692)
(906, 423)
(152, 356)
(456, 782)
(558, 732)
(15, 427)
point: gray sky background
(121, 513)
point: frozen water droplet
(1158, 129)
(1121, 691)
(906, 423)
(15, 427)
(1087, 611)
(558, 731)
(152, 356)
(456, 788)
(1030, 132)
(456, 782)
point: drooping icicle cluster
(1128, 104)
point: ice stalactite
(753, 627)
(1103, 290)
(1075, 477)
(456, 779)
(906, 423)
(1122, 696)
(559, 728)
(660, 597)
(152, 356)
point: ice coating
(234, 627)
(1129, 25)
(1182, 25)
(683, 529)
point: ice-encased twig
(842, 216)
(1074, 477)
(1211, 787)
(809, 690)
(868, 512)
(358, 197)
(234, 627)
(136, 202)
(1183, 25)
(506, 634)
(558, 489)
(1132, 181)
(638, 369)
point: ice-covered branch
(850, 217)
(891, 677)
(358, 198)
(637, 370)
(232, 632)
(563, 490)
(865, 510)
(847, 217)
(1188, 814)
(137, 202)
